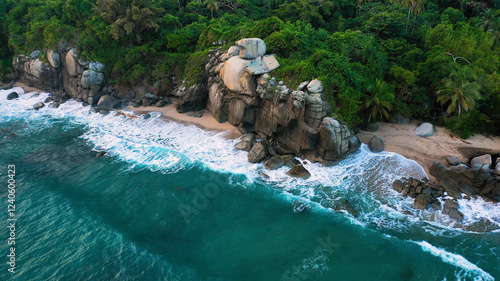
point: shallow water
(174, 202)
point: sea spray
(469, 269)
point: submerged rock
(450, 208)
(422, 201)
(54, 105)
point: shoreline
(398, 138)
(401, 139)
(206, 121)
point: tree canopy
(376, 58)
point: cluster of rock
(67, 75)
(458, 181)
(426, 196)
(479, 178)
(287, 121)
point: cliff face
(241, 91)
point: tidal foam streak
(470, 269)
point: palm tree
(379, 102)
(212, 5)
(460, 89)
(415, 7)
(488, 19)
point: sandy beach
(400, 138)
(206, 121)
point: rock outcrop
(458, 181)
(241, 91)
(65, 74)
(461, 179)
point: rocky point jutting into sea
(279, 123)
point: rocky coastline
(278, 122)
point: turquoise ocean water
(174, 202)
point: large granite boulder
(90, 78)
(216, 102)
(258, 153)
(235, 76)
(315, 111)
(96, 66)
(246, 143)
(251, 48)
(35, 68)
(333, 139)
(107, 101)
(425, 130)
(450, 208)
(233, 51)
(452, 161)
(315, 86)
(481, 160)
(354, 144)
(275, 162)
(422, 201)
(376, 144)
(54, 58)
(262, 65)
(72, 65)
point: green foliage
(470, 123)
(377, 102)
(372, 56)
(460, 89)
(129, 17)
(195, 67)
(5, 52)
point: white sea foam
(468, 269)
(364, 178)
